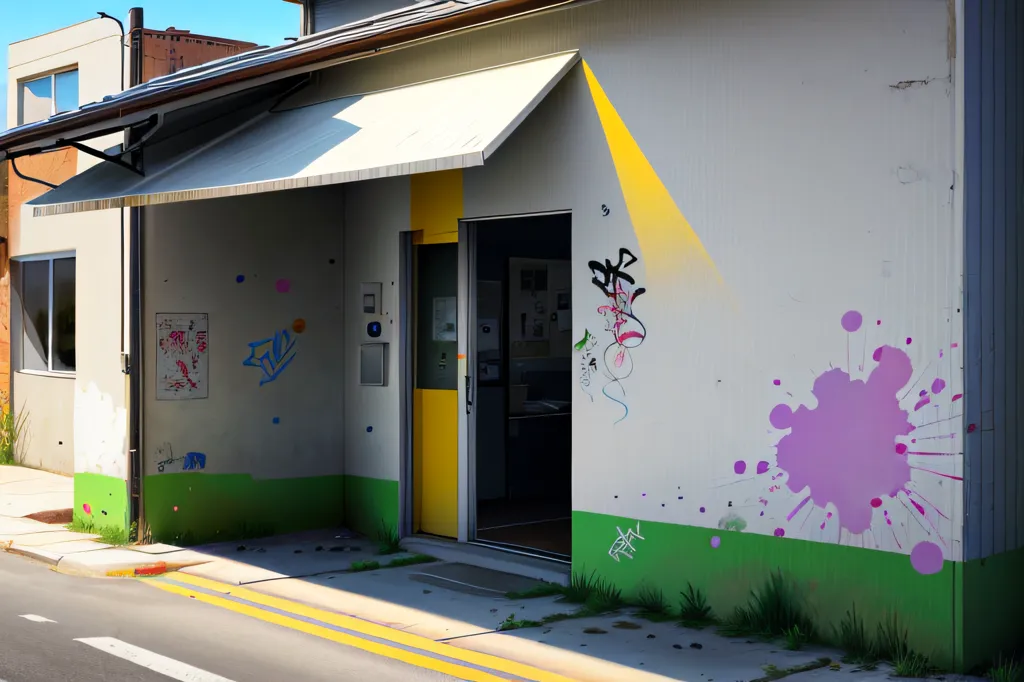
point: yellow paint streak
(436, 447)
(374, 630)
(435, 205)
(418, 660)
(669, 244)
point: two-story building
(683, 293)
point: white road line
(35, 619)
(147, 659)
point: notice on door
(445, 318)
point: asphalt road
(131, 631)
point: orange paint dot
(299, 325)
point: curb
(31, 553)
(67, 565)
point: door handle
(469, 395)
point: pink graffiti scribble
(843, 449)
(183, 368)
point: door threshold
(523, 551)
(504, 559)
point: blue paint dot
(369, 429)
(277, 420)
(240, 279)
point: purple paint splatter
(716, 542)
(777, 382)
(909, 340)
(852, 321)
(739, 466)
(780, 532)
(283, 286)
(926, 558)
(842, 450)
(702, 510)
(762, 467)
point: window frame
(52, 77)
(48, 258)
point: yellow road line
(418, 660)
(375, 630)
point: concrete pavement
(57, 627)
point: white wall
(193, 254)
(815, 169)
(91, 407)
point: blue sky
(267, 22)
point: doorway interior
(522, 355)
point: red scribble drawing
(182, 343)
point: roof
(422, 20)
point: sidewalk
(324, 576)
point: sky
(266, 22)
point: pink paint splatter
(762, 467)
(938, 385)
(283, 286)
(175, 508)
(971, 428)
(876, 502)
(878, 323)
(843, 450)
(852, 320)
(87, 509)
(739, 466)
(777, 382)
(957, 397)
(954, 345)
(926, 558)
(716, 542)
(921, 403)
(901, 448)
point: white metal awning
(454, 122)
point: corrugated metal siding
(331, 13)
(993, 196)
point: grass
(1006, 670)
(694, 611)
(771, 611)
(511, 623)
(387, 539)
(772, 672)
(410, 561)
(360, 566)
(538, 591)
(891, 640)
(111, 535)
(795, 638)
(11, 426)
(911, 664)
(852, 637)
(653, 605)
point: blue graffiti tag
(271, 355)
(194, 461)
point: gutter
(316, 57)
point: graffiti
(623, 545)
(181, 361)
(627, 332)
(732, 522)
(271, 355)
(588, 361)
(605, 211)
(860, 451)
(194, 461)
(165, 457)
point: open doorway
(523, 398)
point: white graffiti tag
(624, 544)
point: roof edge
(107, 111)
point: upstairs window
(46, 291)
(41, 98)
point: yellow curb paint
(418, 660)
(375, 630)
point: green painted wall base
(991, 592)
(101, 501)
(831, 578)
(370, 502)
(197, 507)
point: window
(41, 98)
(47, 292)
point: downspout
(134, 362)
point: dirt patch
(54, 516)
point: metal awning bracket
(115, 159)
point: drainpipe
(134, 361)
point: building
(684, 293)
(50, 74)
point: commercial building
(684, 293)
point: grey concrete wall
(193, 254)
